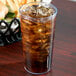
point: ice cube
(33, 11)
(39, 11)
(42, 12)
(45, 11)
(26, 11)
(47, 1)
(44, 5)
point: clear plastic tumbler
(38, 28)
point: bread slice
(3, 10)
(3, 1)
(12, 5)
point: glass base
(36, 73)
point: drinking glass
(38, 39)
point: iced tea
(37, 24)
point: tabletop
(64, 51)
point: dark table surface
(64, 52)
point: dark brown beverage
(37, 33)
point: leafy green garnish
(10, 15)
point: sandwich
(10, 9)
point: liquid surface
(38, 11)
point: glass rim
(51, 5)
